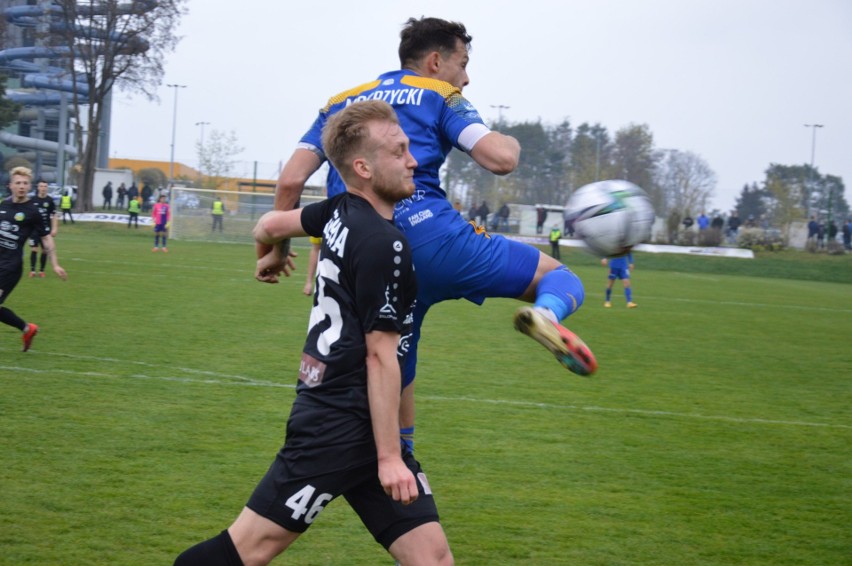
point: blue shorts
(160, 227)
(465, 265)
(619, 273)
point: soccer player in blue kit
(454, 259)
(620, 268)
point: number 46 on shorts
(300, 501)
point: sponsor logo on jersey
(419, 217)
(311, 370)
(388, 310)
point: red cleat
(568, 348)
(29, 334)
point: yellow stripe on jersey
(338, 98)
(443, 88)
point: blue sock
(608, 293)
(629, 294)
(560, 291)
(156, 240)
(406, 438)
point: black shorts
(34, 241)
(294, 501)
(8, 280)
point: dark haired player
(47, 206)
(454, 259)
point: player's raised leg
(556, 293)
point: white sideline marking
(749, 304)
(215, 378)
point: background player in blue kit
(20, 218)
(342, 434)
(453, 259)
(620, 268)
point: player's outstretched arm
(497, 153)
(383, 385)
(273, 229)
(49, 248)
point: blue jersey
(621, 262)
(436, 117)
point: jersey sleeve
(316, 215)
(462, 123)
(312, 140)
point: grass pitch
(717, 430)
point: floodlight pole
(811, 171)
(174, 130)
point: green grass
(717, 430)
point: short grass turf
(717, 430)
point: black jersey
(17, 222)
(365, 282)
(46, 206)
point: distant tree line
(558, 159)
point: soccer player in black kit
(20, 218)
(44, 202)
(343, 431)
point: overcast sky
(733, 81)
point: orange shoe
(29, 334)
(32, 274)
(568, 348)
(153, 249)
(165, 250)
(41, 274)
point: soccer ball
(610, 216)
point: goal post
(192, 214)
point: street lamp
(813, 152)
(202, 124)
(174, 129)
(500, 108)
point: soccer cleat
(632, 305)
(41, 274)
(32, 274)
(153, 249)
(607, 305)
(568, 348)
(28, 336)
(166, 250)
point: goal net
(192, 214)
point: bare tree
(216, 158)
(112, 43)
(685, 181)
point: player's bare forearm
(383, 385)
(291, 182)
(49, 248)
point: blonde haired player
(19, 219)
